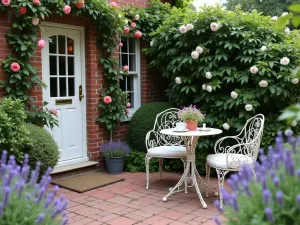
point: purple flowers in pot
(115, 149)
(273, 196)
(25, 201)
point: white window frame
(137, 79)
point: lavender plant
(114, 149)
(191, 113)
(23, 200)
(274, 196)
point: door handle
(81, 96)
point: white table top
(200, 132)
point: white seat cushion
(235, 160)
(168, 151)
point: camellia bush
(232, 65)
(272, 198)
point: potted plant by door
(191, 115)
(115, 153)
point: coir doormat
(87, 182)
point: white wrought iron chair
(164, 146)
(234, 151)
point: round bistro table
(191, 175)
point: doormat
(88, 181)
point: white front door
(63, 72)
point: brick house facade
(152, 87)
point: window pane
(132, 62)
(61, 44)
(123, 84)
(62, 87)
(130, 83)
(62, 65)
(52, 44)
(53, 65)
(125, 60)
(53, 87)
(131, 45)
(71, 65)
(125, 44)
(70, 46)
(131, 99)
(71, 82)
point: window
(130, 56)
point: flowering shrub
(23, 200)
(114, 149)
(274, 198)
(190, 113)
(243, 66)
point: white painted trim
(83, 80)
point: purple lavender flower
(6, 195)
(234, 202)
(115, 149)
(298, 173)
(276, 181)
(225, 195)
(1, 209)
(65, 221)
(279, 197)
(218, 206)
(40, 218)
(266, 196)
(298, 199)
(217, 221)
(269, 214)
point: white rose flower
(136, 17)
(287, 31)
(285, 14)
(199, 49)
(204, 87)
(234, 95)
(226, 126)
(295, 80)
(195, 55)
(294, 123)
(254, 69)
(220, 25)
(178, 80)
(214, 26)
(285, 61)
(275, 18)
(209, 88)
(183, 29)
(248, 107)
(120, 16)
(208, 75)
(189, 26)
(263, 48)
(263, 83)
(288, 132)
(126, 22)
(151, 43)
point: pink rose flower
(67, 9)
(6, 2)
(121, 45)
(41, 44)
(183, 29)
(53, 111)
(35, 21)
(114, 4)
(126, 68)
(22, 10)
(127, 111)
(79, 4)
(128, 105)
(254, 69)
(133, 25)
(126, 30)
(107, 100)
(36, 2)
(15, 67)
(138, 34)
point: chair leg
(185, 181)
(221, 178)
(207, 177)
(147, 159)
(161, 163)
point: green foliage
(143, 121)
(43, 149)
(13, 134)
(182, 3)
(228, 54)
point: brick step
(74, 169)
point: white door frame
(83, 82)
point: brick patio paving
(128, 202)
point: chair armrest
(223, 149)
(234, 161)
(152, 139)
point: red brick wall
(152, 83)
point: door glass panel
(52, 44)
(61, 44)
(71, 86)
(53, 87)
(132, 63)
(53, 65)
(71, 66)
(62, 65)
(70, 46)
(62, 87)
